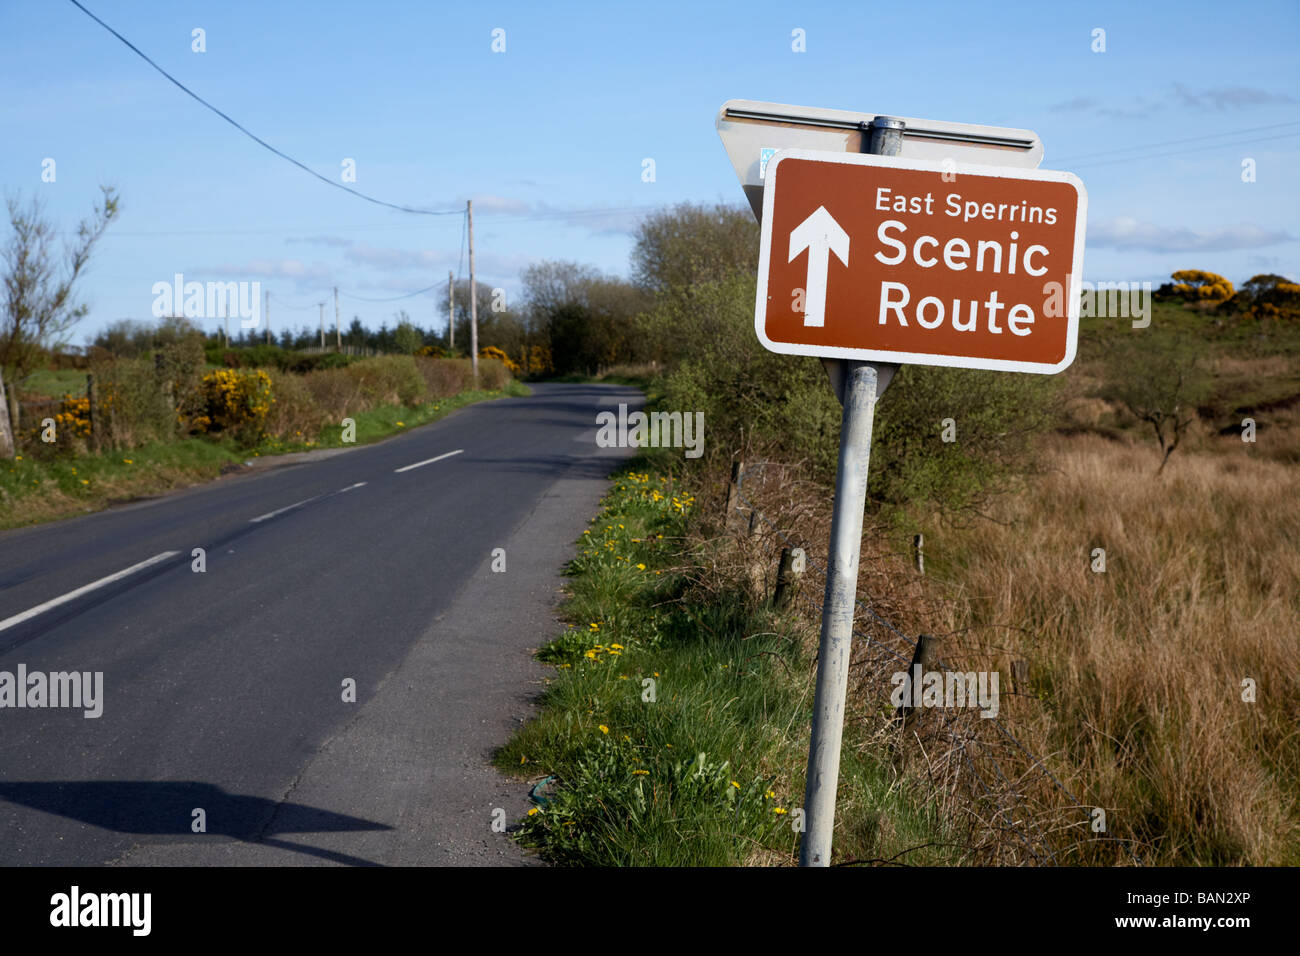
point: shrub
(994, 415)
(388, 380)
(492, 352)
(492, 375)
(132, 403)
(743, 389)
(334, 392)
(444, 378)
(234, 401)
(73, 417)
(748, 393)
(294, 411)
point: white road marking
(280, 511)
(427, 461)
(359, 484)
(73, 595)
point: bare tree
(39, 302)
(1161, 382)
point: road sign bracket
(837, 370)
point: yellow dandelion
(604, 729)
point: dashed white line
(359, 484)
(73, 595)
(280, 511)
(427, 461)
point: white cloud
(1228, 97)
(1127, 233)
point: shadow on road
(167, 808)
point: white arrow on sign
(821, 235)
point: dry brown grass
(1141, 668)
(1133, 697)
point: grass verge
(677, 725)
(36, 489)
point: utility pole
(322, 325)
(338, 328)
(451, 314)
(473, 299)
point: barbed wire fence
(880, 648)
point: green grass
(710, 771)
(55, 383)
(44, 487)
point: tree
(355, 336)
(1161, 386)
(1195, 284)
(585, 318)
(689, 244)
(1272, 296)
(502, 329)
(40, 306)
(1260, 286)
(406, 337)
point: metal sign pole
(855, 383)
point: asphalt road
(223, 691)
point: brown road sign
(887, 259)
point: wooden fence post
(787, 581)
(733, 496)
(926, 653)
(1020, 676)
(90, 413)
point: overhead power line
(257, 139)
(290, 305)
(393, 298)
(1178, 142)
(1182, 152)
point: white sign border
(922, 358)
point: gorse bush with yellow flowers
(492, 352)
(233, 400)
(73, 416)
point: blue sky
(548, 137)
